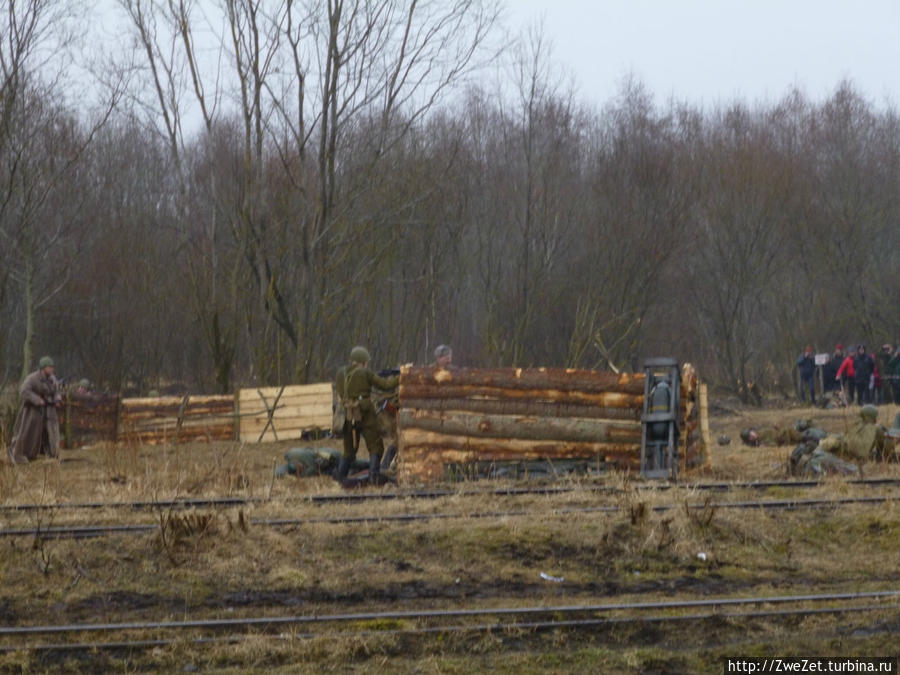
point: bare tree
(40, 144)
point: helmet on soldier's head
(801, 425)
(45, 362)
(869, 412)
(359, 354)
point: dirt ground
(214, 563)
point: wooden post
(237, 414)
(182, 409)
(704, 424)
(67, 433)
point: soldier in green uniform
(865, 441)
(305, 462)
(755, 437)
(354, 383)
(834, 454)
(810, 459)
(892, 442)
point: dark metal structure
(659, 422)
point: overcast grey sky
(710, 51)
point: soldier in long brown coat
(37, 425)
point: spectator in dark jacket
(863, 372)
(883, 389)
(806, 366)
(829, 370)
(893, 370)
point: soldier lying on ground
(801, 431)
(863, 443)
(309, 462)
(305, 462)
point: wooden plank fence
(284, 413)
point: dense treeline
(341, 179)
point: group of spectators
(855, 374)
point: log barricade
(168, 419)
(86, 419)
(91, 418)
(468, 416)
(284, 413)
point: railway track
(353, 497)
(461, 620)
(93, 531)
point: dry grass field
(485, 551)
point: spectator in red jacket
(845, 375)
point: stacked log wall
(168, 419)
(460, 417)
(86, 419)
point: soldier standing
(37, 426)
(354, 383)
(443, 357)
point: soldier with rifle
(354, 383)
(36, 429)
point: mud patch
(103, 605)
(8, 616)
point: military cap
(359, 354)
(45, 362)
(869, 412)
(442, 350)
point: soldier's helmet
(869, 413)
(359, 354)
(45, 362)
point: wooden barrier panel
(294, 410)
(176, 418)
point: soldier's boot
(343, 470)
(375, 469)
(389, 455)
